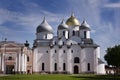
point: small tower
(26, 44)
(73, 24)
(84, 30)
(44, 30)
(62, 30)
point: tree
(113, 57)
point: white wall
(41, 56)
(60, 33)
(76, 53)
(81, 33)
(71, 28)
(87, 57)
(101, 69)
(44, 35)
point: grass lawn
(58, 77)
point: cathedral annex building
(72, 51)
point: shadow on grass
(97, 77)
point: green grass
(59, 77)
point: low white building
(71, 51)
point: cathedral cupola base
(84, 30)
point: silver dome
(85, 25)
(44, 27)
(62, 26)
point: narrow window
(55, 42)
(28, 59)
(85, 34)
(55, 66)
(88, 66)
(71, 51)
(63, 33)
(46, 36)
(55, 51)
(76, 60)
(64, 66)
(43, 66)
(63, 51)
(73, 33)
(63, 43)
(68, 35)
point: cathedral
(72, 51)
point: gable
(11, 45)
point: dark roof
(100, 61)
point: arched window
(63, 51)
(64, 66)
(55, 51)
(43, 66)
(85, 34)
(73, 33)
(63, 33)
(88, 66)
(46, 36)
(68, 34)
(63, 43)
(28, 59)
(55, 66)
(76, 60)
(71, 51)
(10, 58)
(55, 43)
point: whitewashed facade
(71, 51)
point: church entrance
(10, 69)
(76, 69)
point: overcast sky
(20, 18)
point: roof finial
(62, 21)
(84, 20)
(44, 20)
(72, 14)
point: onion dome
(62, 26)
(72, 21)
(44, 27)
(85, 25)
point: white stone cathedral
(72, 51)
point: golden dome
(72, 21)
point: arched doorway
(10, 69)
(76, 69)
